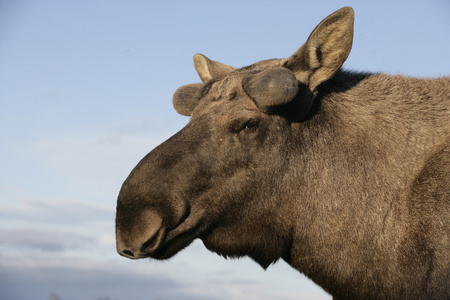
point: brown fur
(348, 182)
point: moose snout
(142, 238)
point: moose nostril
(128, 253)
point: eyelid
(251, 123)
(240, 124)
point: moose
(343, 175)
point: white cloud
(63, 212)
(41, 239)
(82, 283)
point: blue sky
(86, 91)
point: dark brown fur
(348, 183)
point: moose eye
(244, 125)
(251, 124)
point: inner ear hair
(209, 69)
(325, 51)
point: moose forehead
(231, 83)
(223, 100)
(213, 94)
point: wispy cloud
(121, 282)
(67, 212)
(41, 239)
(36, 232)
(81, 283)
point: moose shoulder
(343, 175)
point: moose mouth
(170, 243)
(165, 243)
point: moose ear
(208, 69)
(325, 51)
(186, 98)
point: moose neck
(369, 151)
